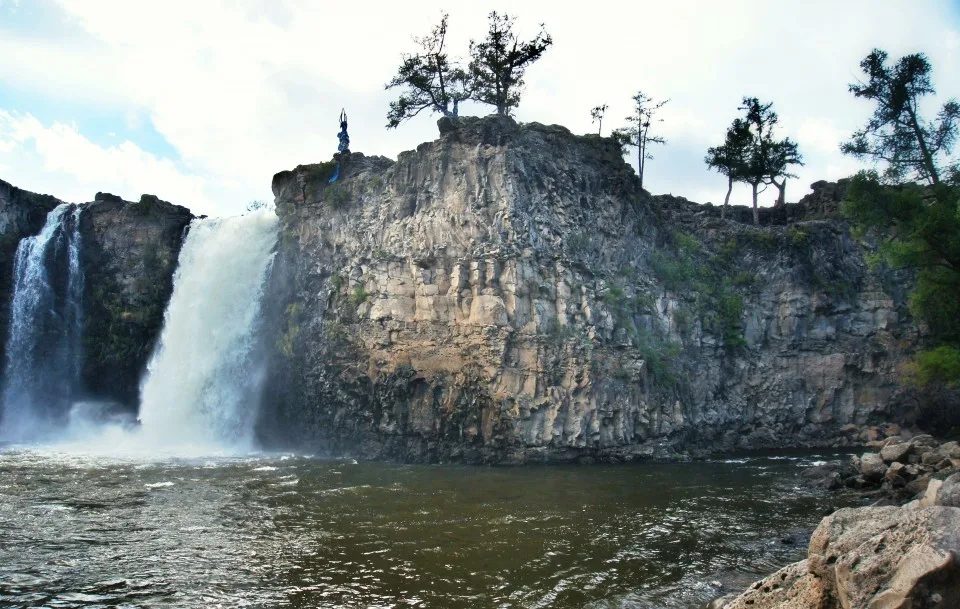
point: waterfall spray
(44, 351)
(201, 390)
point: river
(81, 530)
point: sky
(200, 102)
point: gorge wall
(507, 293)
(129, 255)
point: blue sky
(202, 102)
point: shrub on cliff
(915, 200)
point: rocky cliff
(129, 254)
(507, 293)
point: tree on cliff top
(730, 158)
(915, 202)
(912, 147)
(499, 62)
(637, 133)
(431, 80)
(765, 160)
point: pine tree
(498, 62)
(431, 81)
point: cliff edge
(507, 293)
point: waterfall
(44, 349)
(202, 385)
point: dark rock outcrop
(129, 254)
(508, 293)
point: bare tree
(637, 133)
(597, 115)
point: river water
(292, 531)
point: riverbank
(903, 551)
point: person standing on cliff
(344, 145)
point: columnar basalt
(507, 293)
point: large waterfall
(202, 387)
(44, 351)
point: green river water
(292, 531)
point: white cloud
(81, 167)
(242, 90)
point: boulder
(792, 587)
(949, 494)
(894, 452)
(930, 495)
(872, 466)
(870, 558)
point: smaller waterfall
(44, 349)
(202, 386)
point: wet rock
(872, 466)
(792, 587)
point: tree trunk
(782, 192)
(726, 199)
(640, 161)
(756, 212)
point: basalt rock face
(507, 293)
(129, 253)
(22, 214)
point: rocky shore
(901, 552)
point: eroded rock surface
(507, 293)
(870, 558)
(129, 253)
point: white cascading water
(201, 390)
(44, 354)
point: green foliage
(675, 271)
(920, 223)
(614, 296)
(940, 366)
(336, 196)
(798, 236)
(708, 280)
(287, 341)
(729, 318)
(752, 154)
(556, 332)
(912, 147)
(319, 173)
(732, 157)
(429, 79)
(499, 61)
(596, 116)
(359, 296)
(336, 282)
(660, 357)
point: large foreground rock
(870, 558)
